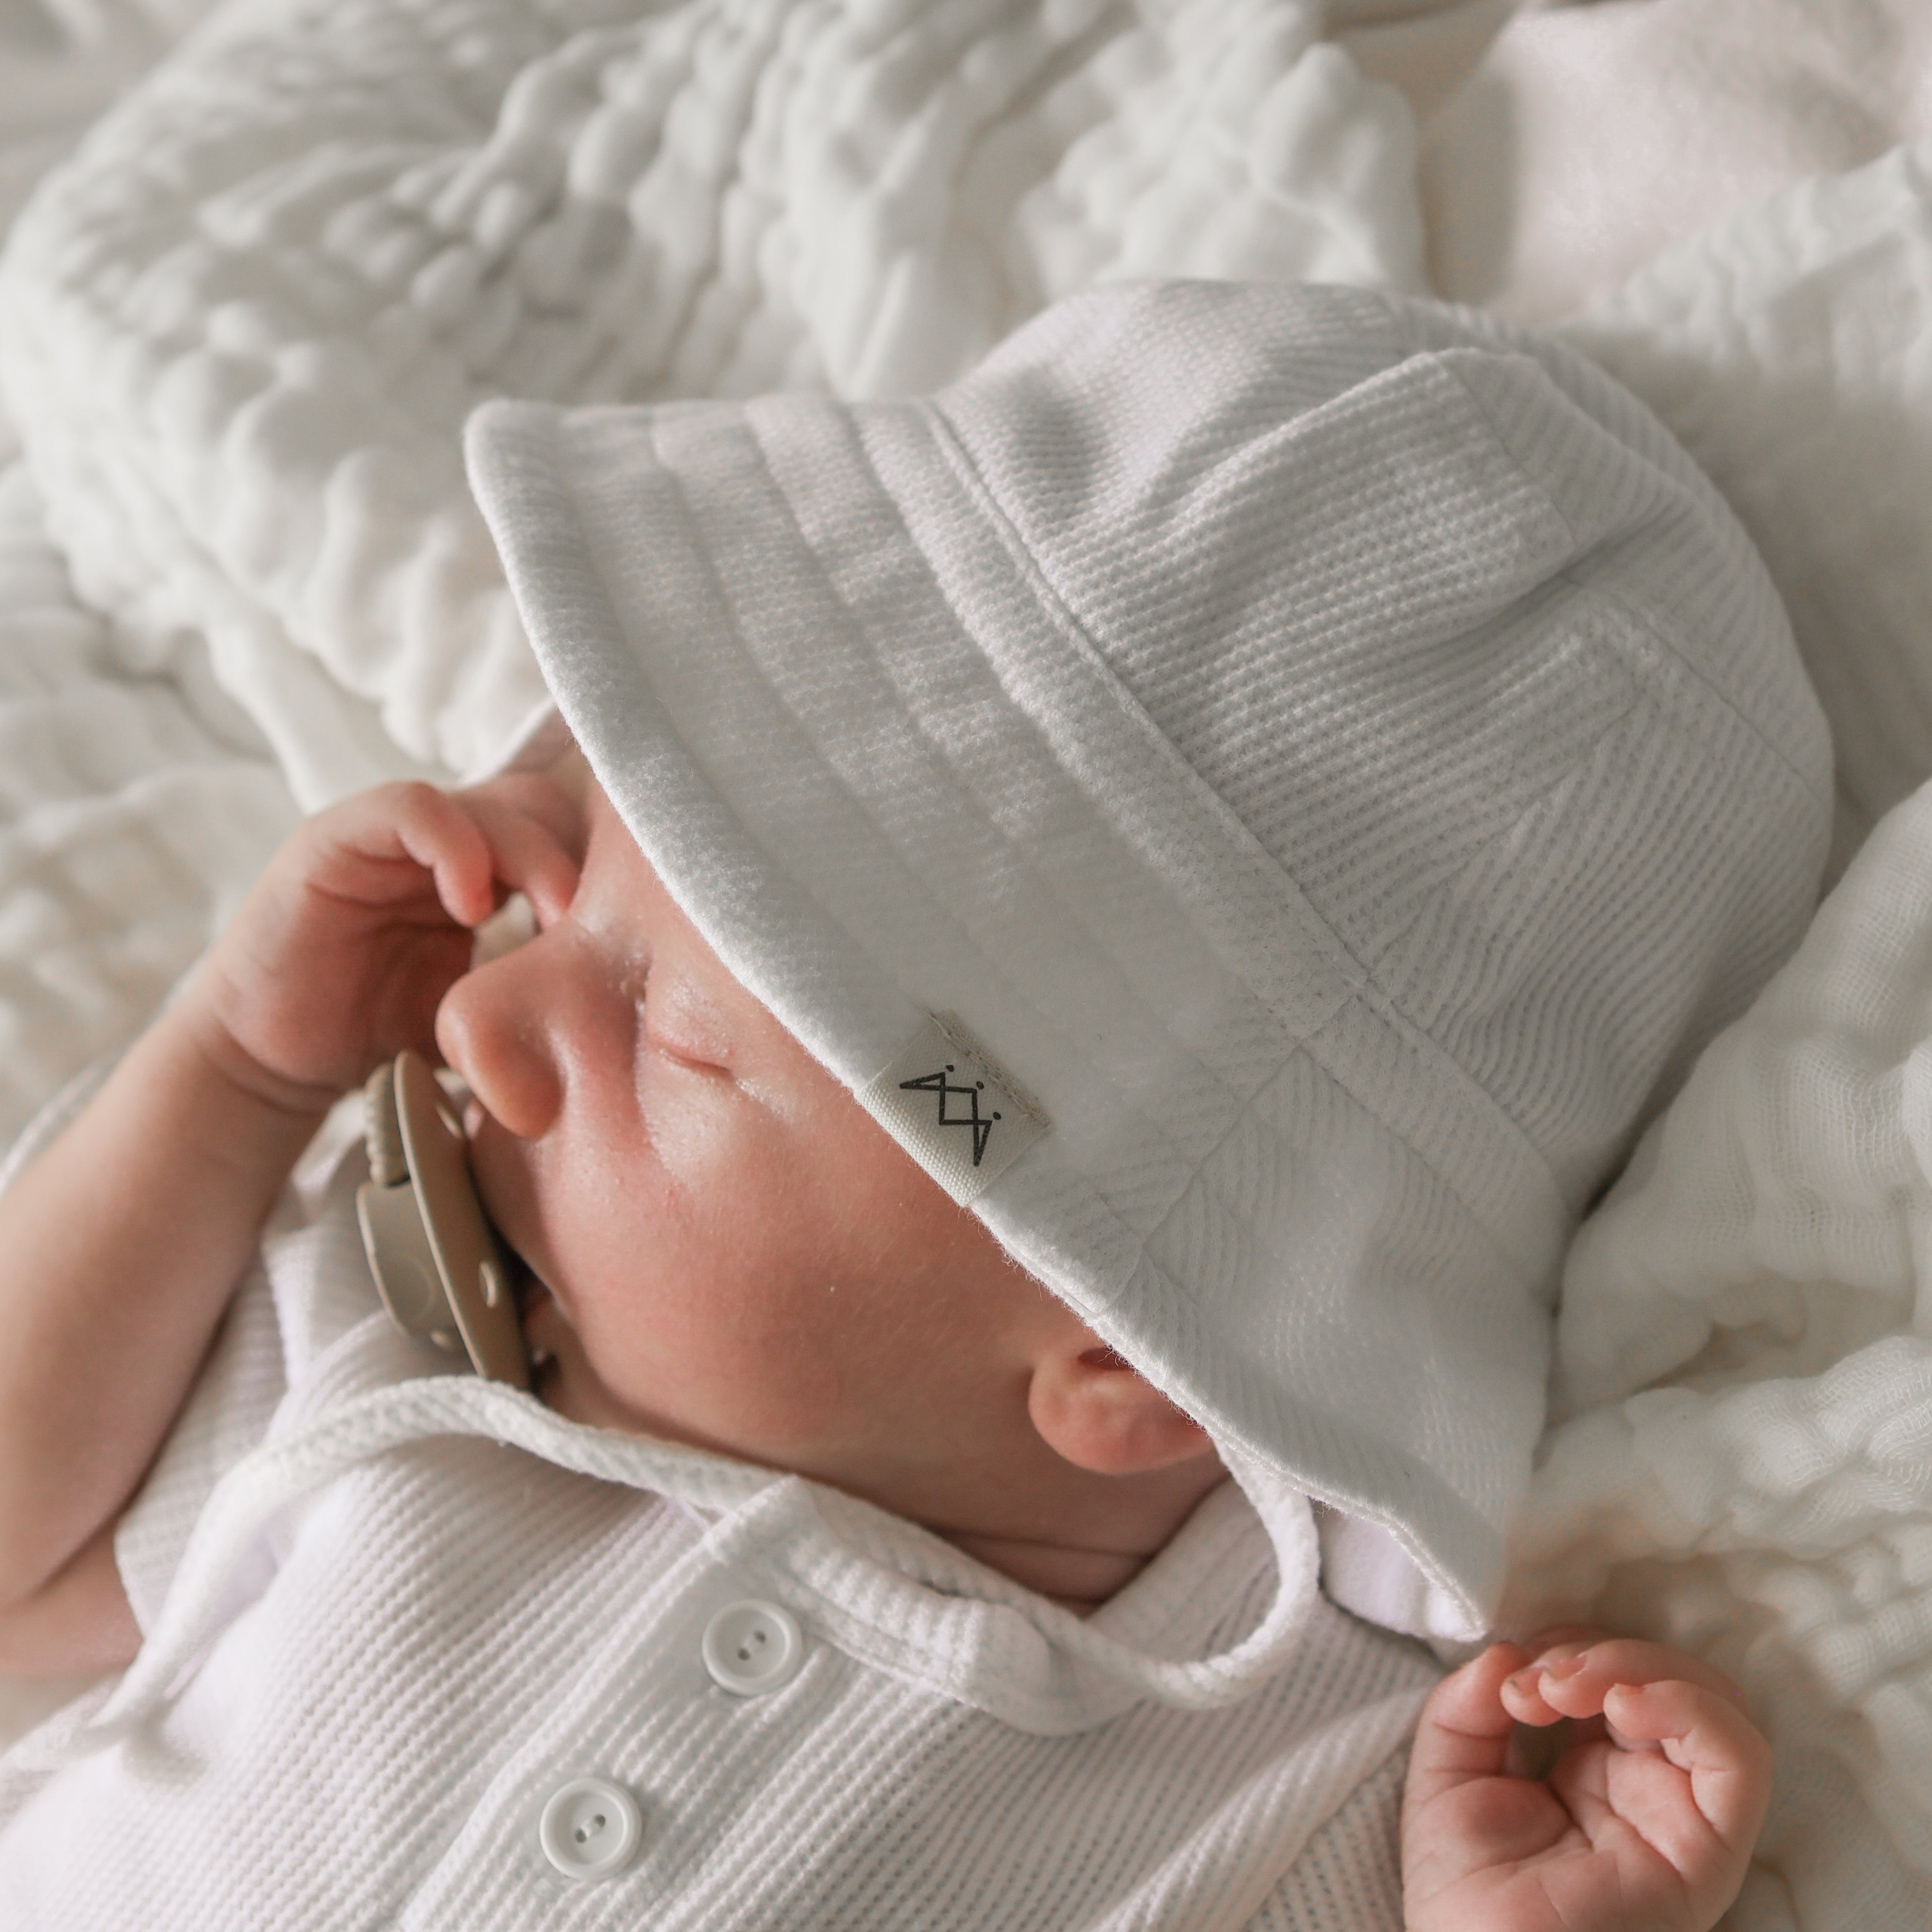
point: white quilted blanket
(239, 333)
(1742, 1460)
(239, 570)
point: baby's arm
(1646, 1823)
(120, 1245)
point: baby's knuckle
(415, 795)
(420, 807)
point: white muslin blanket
(1741, 1458)
(240, 330)
(239, 336)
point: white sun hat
(1315, 766)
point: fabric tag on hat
(951, 1105)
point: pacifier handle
(438, 1265)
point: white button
(590, 1828)
(752, 1647)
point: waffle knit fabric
(392, 1611)
(1331, 761)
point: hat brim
(885, 774)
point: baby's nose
(490, 1035)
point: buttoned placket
(645, 1717)
(695, 1743)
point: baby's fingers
(372, 851)
(1569, 1678)
(1462, 1813)
(438, 834)
(1706, 1735)
(528, 846)
(1464, 1731)
(540, 796)
(476, 846)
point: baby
(1116, 918)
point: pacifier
(439, 1266)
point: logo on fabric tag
(954, 1108)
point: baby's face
(732, 1252)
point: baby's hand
(1646, 1822)
(339, 955)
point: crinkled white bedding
(238, 571)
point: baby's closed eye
(680, 1020)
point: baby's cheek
(799, 1408)
(709, 1359)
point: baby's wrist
(239, 1081)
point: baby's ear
(1092, 1407)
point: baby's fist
(363, 920)
(1647, 1820)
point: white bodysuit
(395, 1618)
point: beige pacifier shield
(474, 1275)
(404, 1263)
(393, 1235)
